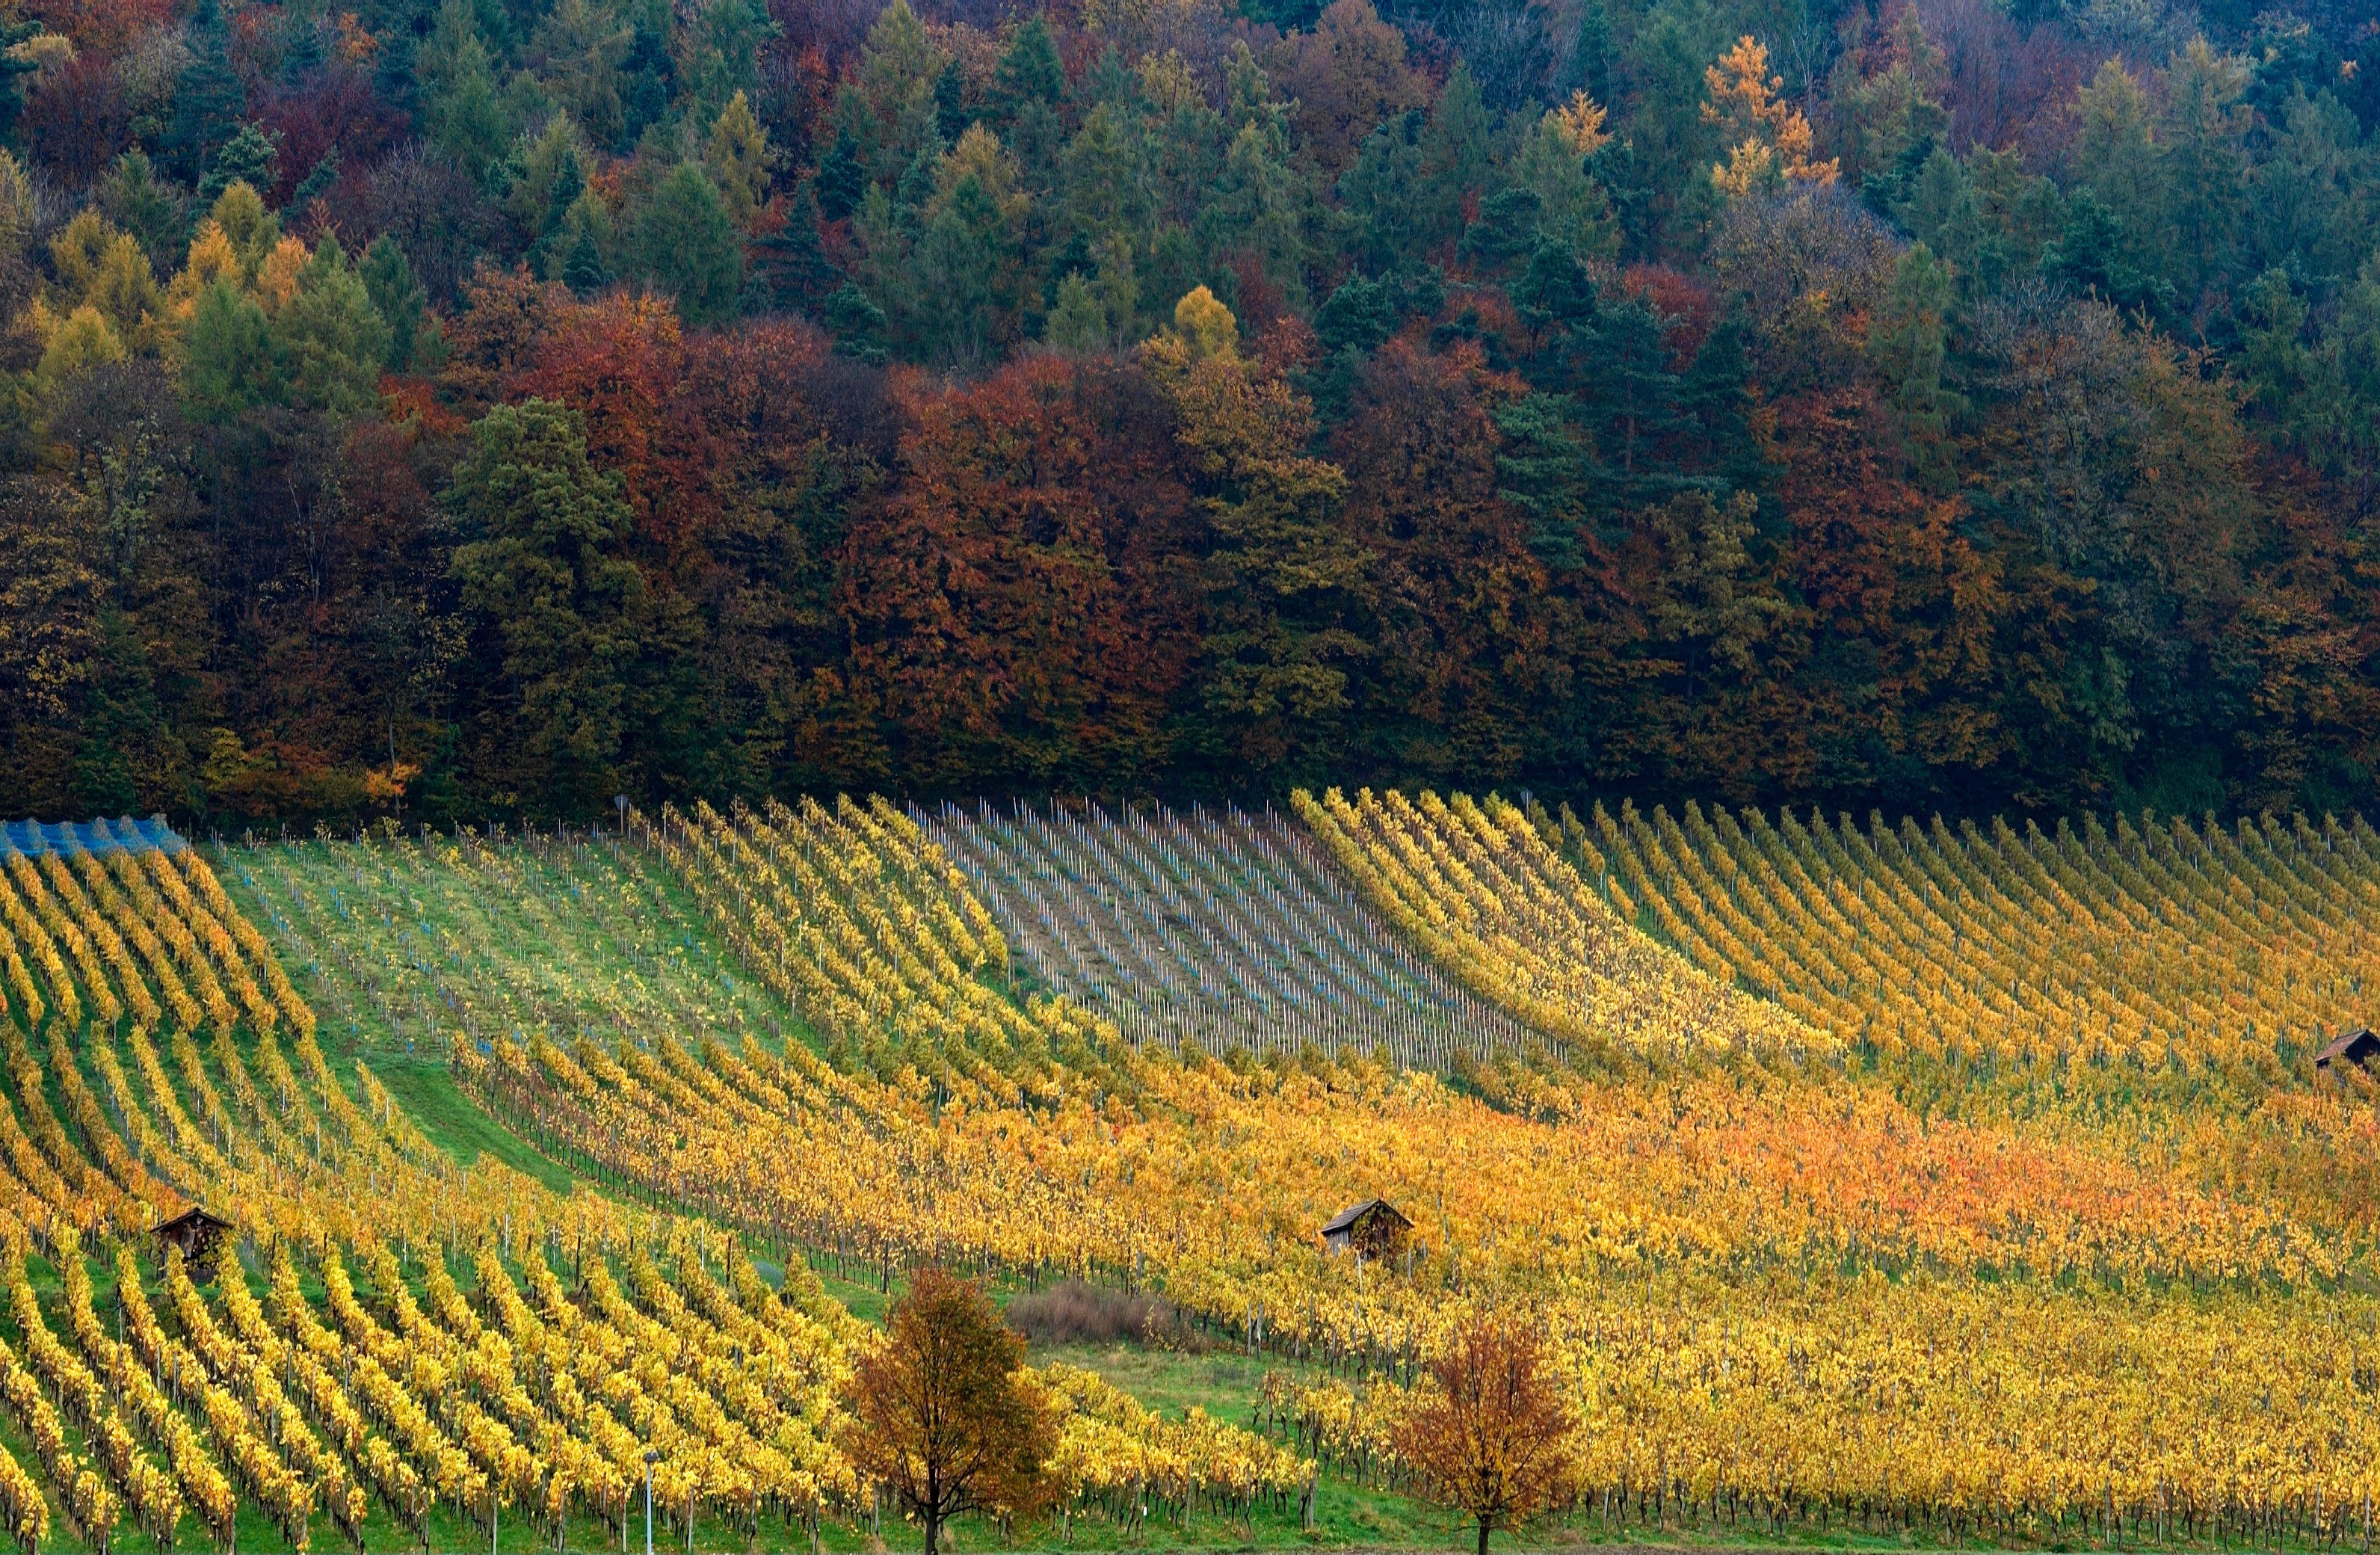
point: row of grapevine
(2155, 945)
(858, 918)
(1475, 886)
(1967, 1398)
(410, 941)
(1226, 929)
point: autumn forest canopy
(460, 408)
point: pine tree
(858, 323)
(250, 157)
(583, 270)
(1078, 322)
(331, 338)
(301, 44)
(842, 181)
(1029, 71)
(1907, 344)
(951, 117)
(460, 110)
(790, 259)
(316, 183)
(722, 56)
(136, 201)
(687, 246)
(228, 368)
(397, 296)
(208, 99)
(14, 68)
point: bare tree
(1490, 1434)
(940, 1414)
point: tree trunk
(1483, 1536)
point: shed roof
(196, 1215)
(1348, 1216)
(2353, 1046)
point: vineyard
(2160, 945)
(1475, 885)
(409, 945)
(1811, 1147)
(398, 1350)
(1225, 930)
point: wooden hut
(2358, 1047)
(1370, 1230)
(200, 1237)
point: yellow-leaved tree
(1768, 140)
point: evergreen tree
(842, 179)
(1103, 177)
(1386, 197)
(1548, 469)
(1458, 156)
(549, 175)
(2089, 256)
(581, 45)
(1079, 321)
(1279, 574)
(1027, 88)
(250, 157)
(317, 183)
(583, 270)
(331, 340)
(858, 323)
(737, 156)
(14, 68)
(723, 56)
(301, 45)
(397, 296)
(1030, 72)
(686, 246)
(1633, 396)
(208, 98)
(228, 367)
(1357, 317)
(1505, 230)
(1907, 344)
(461, 111)
(790, 259)
(150, 210)
(950, 116)
(2203, 154)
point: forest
(441, 409)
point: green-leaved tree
(560, 608)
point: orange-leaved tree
(942, 1413)
(1489, 1434)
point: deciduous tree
(561, 609)
(942, 1412)
(1490, 1433)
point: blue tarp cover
(122, 834)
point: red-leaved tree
(1490, 1433)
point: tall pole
(650, 1456)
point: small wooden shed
(1370, 1230)
(2358, 1047)
(200, 1237)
